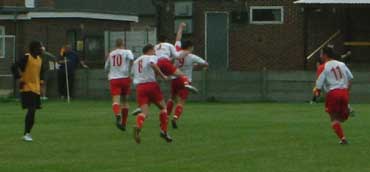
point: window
(184, 13)
(2, 42)
(266, 15)
(184, 8)
(189, 25)
(29, 3)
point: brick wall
(324, 21)
(53, 32)
(12, 2)
(45, 3)
(254, 47)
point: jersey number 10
(337, 73)
(117, 60)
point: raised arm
(180, 31)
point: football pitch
(212, 137)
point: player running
(178, 92)
(148, 91)
(336, 80)
(118, 64)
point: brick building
(247, 35)
(236, 35)
(56, 22)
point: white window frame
(266, 8)
(29, 3)
(2, 34)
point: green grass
(213, 137)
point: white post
(67, 82)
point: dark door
(217, 40)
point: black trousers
(62, 85)
(31, 102)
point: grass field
(213, 137)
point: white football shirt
(335, 75)
(186, 64)
(166, 50)
(118, 64)
(178, 45)
(142, 69)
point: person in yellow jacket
(30, 81)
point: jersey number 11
(337, 73)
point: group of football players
(164, 60)
(175, 63)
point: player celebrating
(178, 91)
(148, 91)
(118, 64)
(166, 53)
(29, 70)
(179, 36)
(336, 79)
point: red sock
(163, 117)
(124, 113)
(140, 121)
(178, 111)
(338, 130)
(116, 108)
(185, 80)
(169, 106)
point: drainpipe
(305, 36)
(15, 50)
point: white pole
(323, 44)
(67, 82)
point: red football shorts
(166, 66)
(178, 89)
(120, 86)
(337, 102)
(147, 93)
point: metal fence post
(204, 84)
(264, 84)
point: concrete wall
(295, 86)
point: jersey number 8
(140, 66)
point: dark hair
(35, 47)
(186, 44)
(162, 38)
(329, 51)
(119, 42)
(147, 48)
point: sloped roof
(332, 2)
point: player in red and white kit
(336, 80)
(178, 92)
(148, 91)
(166, 54)
(118, 64)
